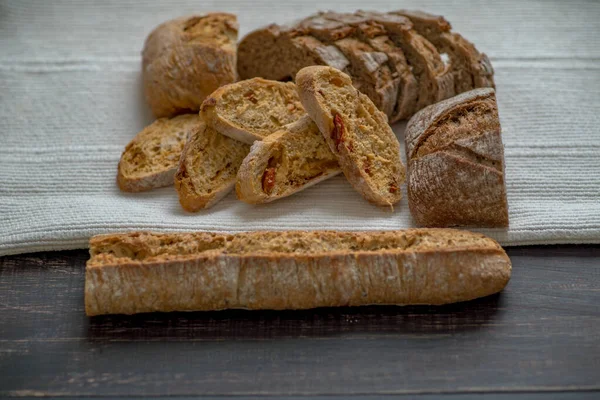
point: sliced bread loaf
(434, 78)
(470, 68)
(286, 162)
(144, 272)
(356, 132)
(207, 168)
(150, 160)
(456, 163)
(252, 109)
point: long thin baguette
(145, 272)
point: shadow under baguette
(322, 322)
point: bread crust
(287, 142)
(441, 271)
(310, 82)
(150, 160)
(226, 108)
(186, 59)
(416, 73)
(456, 163)
(470, 68)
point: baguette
(251, 110)
(356, 132)
(456, 163)
(207, 168)
(150, 160)
(286, 162)
(184, 60)
(145, 272)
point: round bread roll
(184, 60)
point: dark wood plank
(541, 334)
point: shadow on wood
(242, 324)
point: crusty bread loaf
(470, 68)
(252, 109)
(207, 168)
(186, 59)
(456, 163)
(286, 162)
(151, 158)
(356, 132)
(388, 60)
(145, 272)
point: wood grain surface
(542, 334)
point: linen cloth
(71, 99)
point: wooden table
(539, 338)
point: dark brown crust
(461, 182)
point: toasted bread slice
(150, 160)
(252, 109)
(286, 162)
(207, 169)
(356, 132)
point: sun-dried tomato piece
(268, 180)
(337, 134)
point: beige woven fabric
(71, 98)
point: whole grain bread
(186, 59)
(386, 57)
(252, 109)
(470, 68)
(151, 158)
(286, 162)
(207, 168)
(145, 272)
(357, 133)
(456, 163)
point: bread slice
(184, 60)
(252, 109)
(145, 272)
(356, 132)
(151, 158)
(470, 68)
(286, 162)
(456, 163)
(207, 168)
